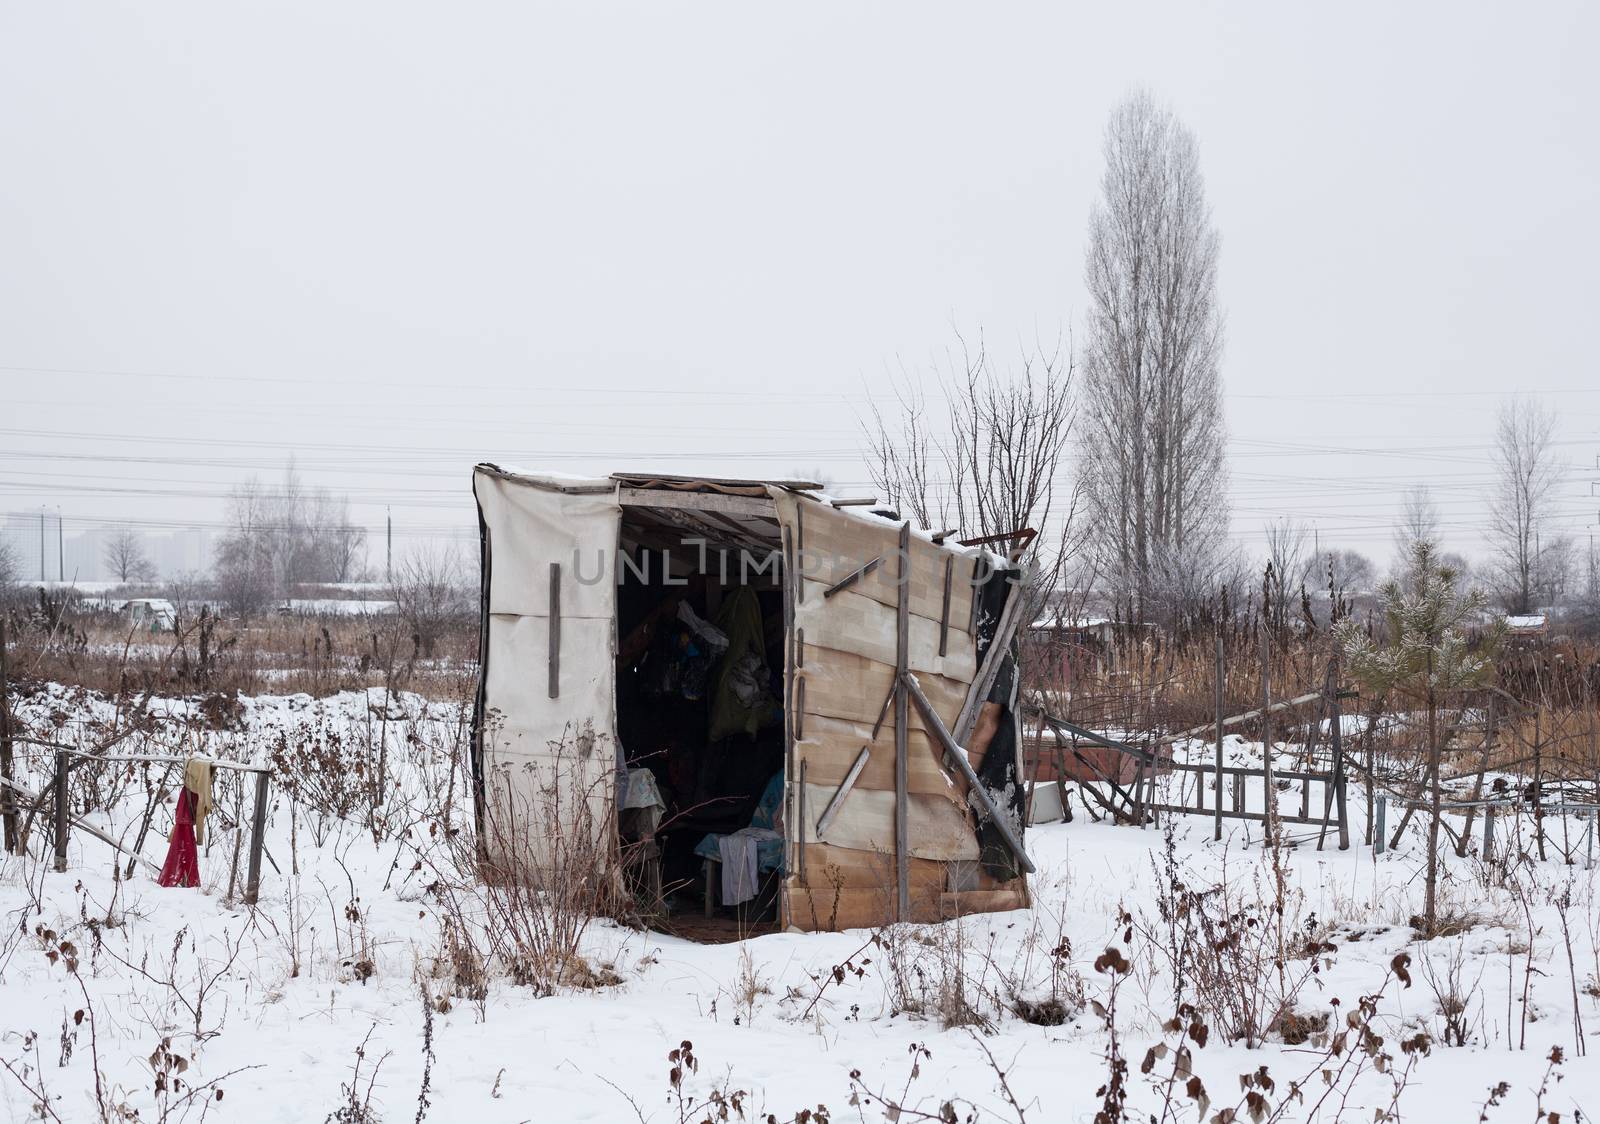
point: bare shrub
(1239, 946)
(428, 594)
(521, 895)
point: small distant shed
(1528, 626)
(152, 614)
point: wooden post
(791, 807)
(1488, 833)
(8, 801)
(258, 838)
(957, 757)
(1382, 814)
(1221, 674)
(800, 836)
(1538, 781)
(944, 612)
(902, 762)
(555, 628)
(1367, 739)
(1269, 812)
(61, 810)
(1483, 767)
(1338, 765)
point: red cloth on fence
(182, 867)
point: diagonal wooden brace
(958, 756)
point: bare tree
(10, 567)
(428, 591)
(1349, 570)
(125, 558)
(1152, 455)
(1527, 475)
(243, 565)
(1418, 522)
(1288, 566)
(283, 536)
(992, 463)
(1586, 606)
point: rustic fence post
(1269, 811)
(1488, 832)
(1222, 668)
(8, 800)
(1483, 767)
(258, 838)
(61, 810)
(1338, 766)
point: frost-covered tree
(1526, 557)
(1152, 444)
(1425, 653)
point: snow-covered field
(342, 996)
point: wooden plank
(842, 791)
(756, 506)
(832, 746)
(851, 578)
(555, 630)
(801, 801)
(958, 757)
(937, 827)
(997, 651)
(61, 811)
(852, 688)
(902, 768)
(1221, 665)
(835, 909)
(944, 609)
(850, 621)
(869, 870)
(1238, 719)
(953, 904)
(791, 814)
(838, 542)
(258, 837)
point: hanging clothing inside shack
(182, 867)
(742, 700)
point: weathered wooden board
(937, 827)
(837, 543)
(831, 746)
(852, 688)
(851, 621)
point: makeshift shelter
(675, 645)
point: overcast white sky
(395, 239)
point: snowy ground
(343, 965)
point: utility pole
(41, 543)
(388, 547)
(61, 549)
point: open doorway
(700, 664)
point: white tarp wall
(548, 757)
